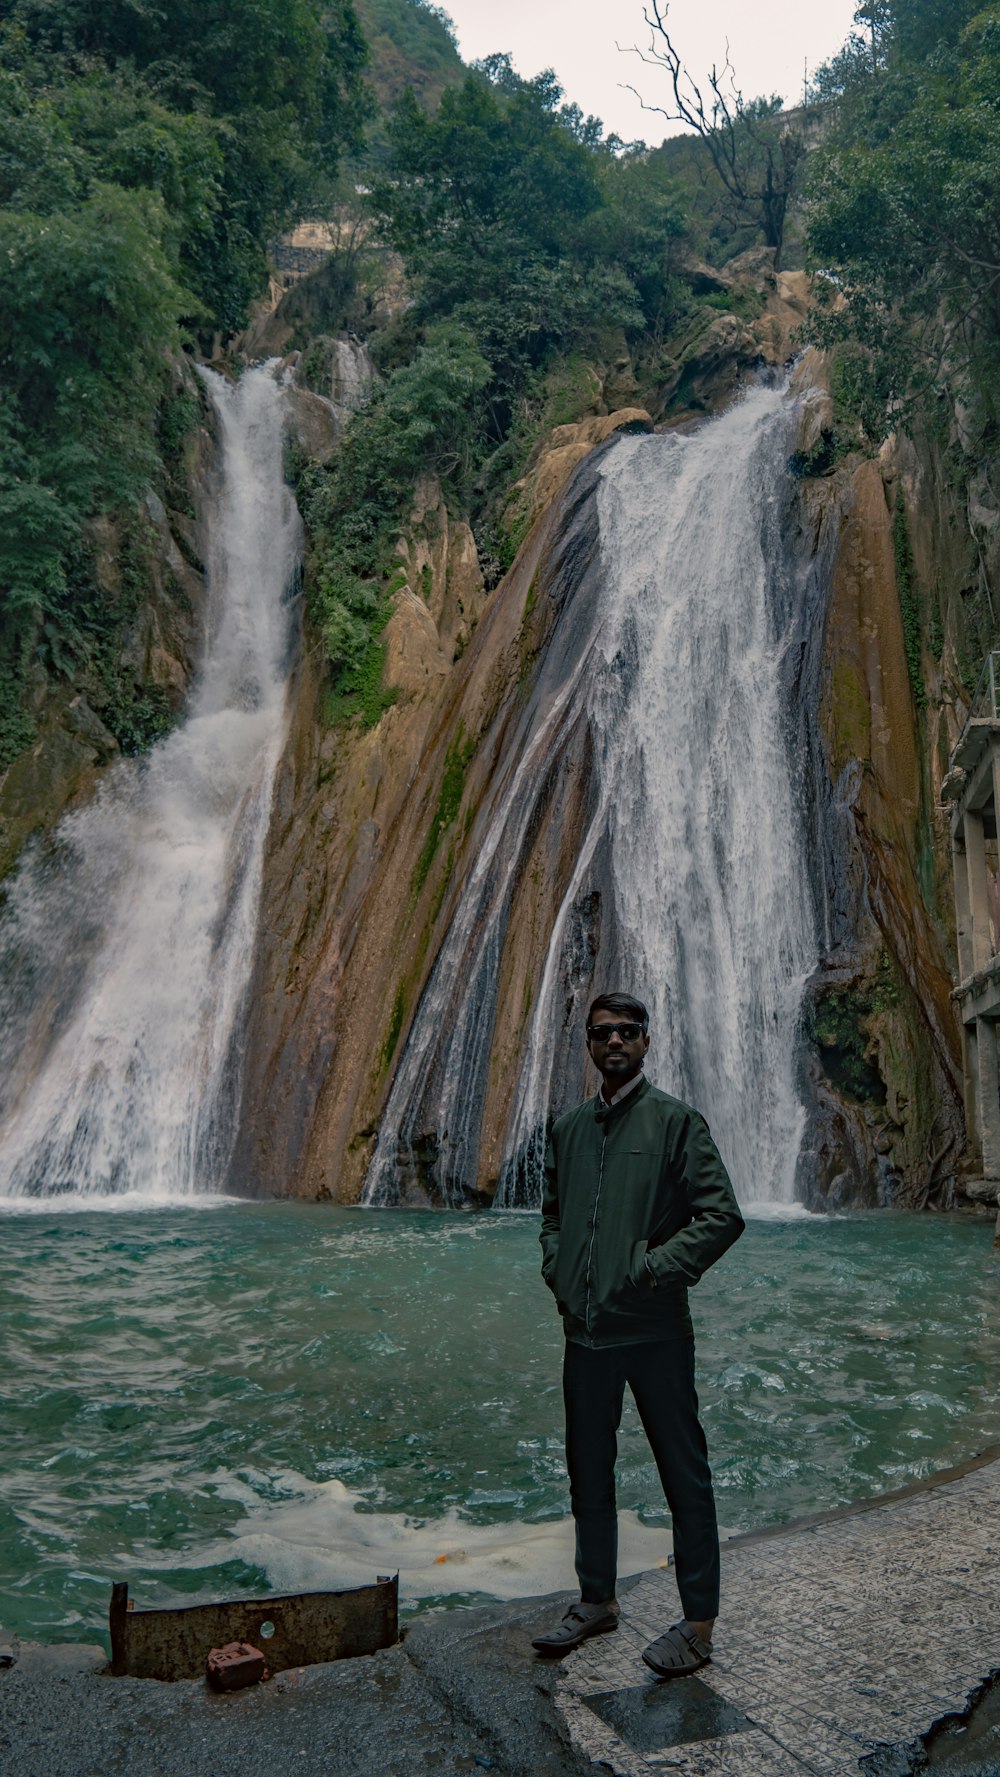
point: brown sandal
(678, 1652)
(580, 1622)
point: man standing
(637, 1206)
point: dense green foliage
(906, 211)
(146, 155)
(492, 201)
(234, 114)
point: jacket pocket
(638, 1276)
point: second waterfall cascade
(697, 834)
(127, 946)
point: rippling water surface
(242, 1397)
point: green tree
(905, 208)
(494, 200)
(639, 229)
(413, 45)
(491, 180)
(41, 169)
(919, 26)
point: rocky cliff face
(885, 1062)
(375, 832)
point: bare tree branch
(755, 158)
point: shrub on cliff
(421, 420)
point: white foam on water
(771, 1211)
(112, 1203)
(327, 1539)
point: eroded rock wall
(884, 1056)
(375, 830)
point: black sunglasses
(601, 1033)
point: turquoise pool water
(239, 1397)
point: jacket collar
(609, 1113)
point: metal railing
(984, 705)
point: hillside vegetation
(412, 48)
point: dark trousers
(661, 1377)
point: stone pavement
(842, 1639)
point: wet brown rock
(704, 280)
(869, 722)
(442, 567)
(45, 779)
(559, 454)
(414, 655)
(752, 269)
(786, 305)
(702, 364)
(364, 873)
(870, 714)
(809, 380)
(314, 423)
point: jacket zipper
(593, 1231)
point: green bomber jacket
(641, 1178)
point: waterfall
(126, 946)
(684, 673)
(698, 803)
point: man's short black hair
(623, 1003)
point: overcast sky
(770, 41)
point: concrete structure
(973, 788)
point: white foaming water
(698, 809)
(325, 1537)
(767, 1210)
(126, 952)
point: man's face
(616, 1052)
